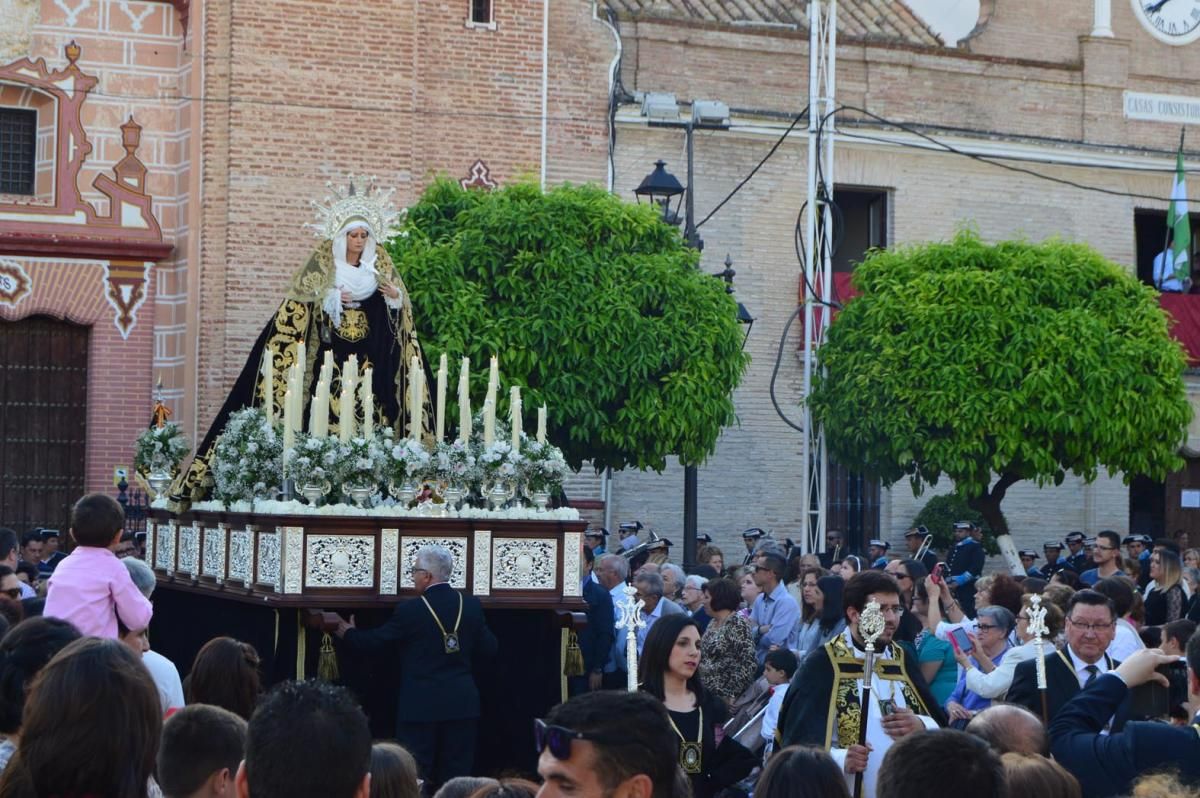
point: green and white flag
(1177, 220)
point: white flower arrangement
(499, 461)
(313, 460)
(543, 467)
(273, 507)
(246, 458)
(161, 449)
(364, 462)
(408, 460)
(453, 463)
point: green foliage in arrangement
(592, 304)
(991, 364)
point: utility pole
(818, 258)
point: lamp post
(662, 188)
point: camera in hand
(1153, 701)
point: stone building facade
(243, 110)
(1046, 97)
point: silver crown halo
(360, 198)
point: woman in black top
(1165, 602)
(669, 671)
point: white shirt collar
(1081, 667)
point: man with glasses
(608, 744)
(907, 573)
(693, 600)
(439, 635)
(820, 711)
(835, 549)
(1106, 557)
(775, 612)
(1091, 626)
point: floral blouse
(727, 661)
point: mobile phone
(961, 641)
(937, 572)
(1152, 701)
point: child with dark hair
(779, 668)
(200, 752)
(91, 588)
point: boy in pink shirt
(91, 588)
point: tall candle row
(357, 391)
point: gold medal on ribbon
(450, 640)
(691, 754)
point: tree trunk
(988, 504)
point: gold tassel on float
(327, 662)
(573, 657)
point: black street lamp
(663, 188)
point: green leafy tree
(994, 364)
(593, 305)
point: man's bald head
(1010, 728)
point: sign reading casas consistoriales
(1162, 107)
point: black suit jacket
(596, 641)
(1107, 764)
(1061, 687)
(434, 685)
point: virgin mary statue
(346, 300)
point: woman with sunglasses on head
(669, 671)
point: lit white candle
(420, 422)
(268, 381)
(413, 368)
(541, 430)
(289, 434)
(346, 415)
(321, 402)
(367, 398)
(514, 414)
(464, 401)
(489, 422)
(350, 372)
(443, 373)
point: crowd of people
(751, 680)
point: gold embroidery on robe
(845, 709)
(354, 326)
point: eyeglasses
(416, 571)
(986, 627)
(1022, 617)
(1107, 548)
(894, 609)
(1091, 627)
(557, 739)
(900, 575)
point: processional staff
(1037, 628)
(630, 619)
(870, 627)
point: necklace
(449, 639)
(690, 754)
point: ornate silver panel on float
(572, 548)
(409, 546)
(241, 554)
(268, 560)
(189, 550)
(524, 564)
(213, 562)
(340, 561)
(164, 555)
(293, 557)
(151, 540)
(389, 562)
(482, 585)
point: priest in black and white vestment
(824, 702)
